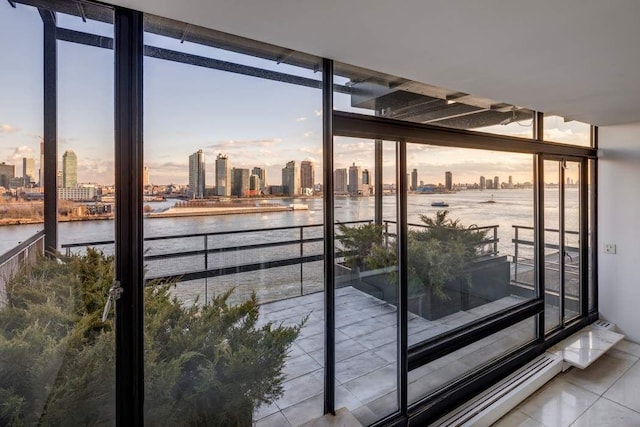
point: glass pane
(233, 189)
(21, 105)
(366, 279)
(572, 261)
(369, 92)
(470, 238)
(552, 273)
(58, 356)
(559, 129)
(428, 378)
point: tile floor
(607, 393)
(366, 355)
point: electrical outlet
(609, 248)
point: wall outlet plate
(609, 248)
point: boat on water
(440, 204)
(490, 200)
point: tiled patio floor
(366, 366)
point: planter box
(489, 282)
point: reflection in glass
(370, 92)
(470, 238)
(552, 271)
(366, 278)
(572, 261)
(233, 231)
(566, 131)
(428, 378)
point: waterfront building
(41, 170)
(69, 169)
(291, 179)
(196, 175)
(340, 181)
(145, 176)
(255, 184)
(355, 180)
(366, 180)
(483, 183)
(307, 175)
(223, 175)
(77, 194)
(448, 181)
(262, 174)
(7, 173)
(496, 183)
(239, 182)
(414, 179)
(29, 169)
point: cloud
(318, 113)
(241, 144)
(301, 119)
(308, 134)
(20, 152)
(7, 128)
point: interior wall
(619, 224)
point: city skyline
(257, 122)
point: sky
(256, 122)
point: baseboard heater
(488, 407)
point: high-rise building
(510, 181)
(145, 176)
(340, 181)
(240, 182)
(496, 183)
(448, 180)
(366, 177)
(69, 169)
(414, 180)
(255, 183)
(196, 175)
(307, 174)
(291, 179)
(7, 173)
(223, 176)
(483, 183)
(29, 168)
(355, 180)
(262, 174)
(41, 170)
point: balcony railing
(12, 260)
(203, 256)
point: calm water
(511, 207)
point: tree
(204, 365)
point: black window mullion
(402, 309)
(329, 238)
(129, 248)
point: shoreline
(171, 213)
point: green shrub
(209, 365)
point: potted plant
(438, 256)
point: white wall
(619, 223)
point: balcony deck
(366, 355)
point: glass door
(563, 207)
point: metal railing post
(301, 264)
(515, 256)
(206, 267)
(495, 240)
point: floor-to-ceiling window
(459, 241)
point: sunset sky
(255, 122)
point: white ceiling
(577, 58)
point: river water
(511, 207)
